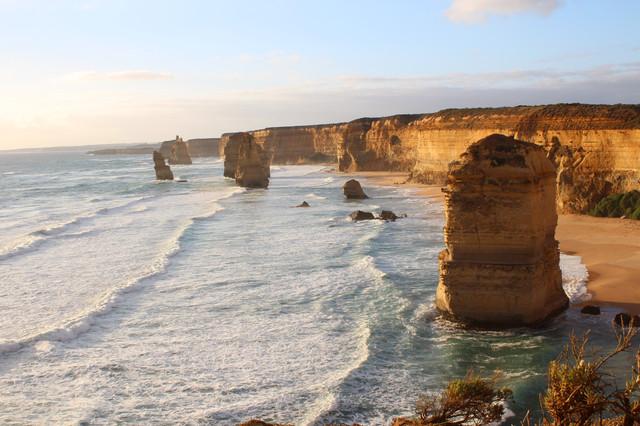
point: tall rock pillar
(179, 152)
(500, 266)
(163, 172)
(246, 161)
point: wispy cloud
(132, 75)
(75, 117)
(530, 78)
(474, 11)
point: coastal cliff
(595, 147)
(297, 144)
(501, 261)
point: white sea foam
(315, 196)
(79, 323)
(326, 181)
(574, 278)
(329, 401)
(31, 241)
(367, 265)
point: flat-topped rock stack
(246, 161)
(163, 172)
(179, 152)
(500, 266)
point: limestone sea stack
(246, 161)
(500, 266)
(179, 152)
(163, 172)
(353, 190)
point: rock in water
(303, 204)
(500, 266)
(246, 161)
(388, 215)
(360, 215)
(590, 310)
(179, 152)
(163, 172)
(353, 190)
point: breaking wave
(76, 325)
(574, 278)
(32, 240)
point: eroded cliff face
(501, 262)
(596, 147)
(296, 145)
(246, 161)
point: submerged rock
(360, 215)
(590, 310)
(246, 161)
(353, 190)
(163, 172)
(303, 204)
(500, 266)
(179, 152)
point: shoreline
(609, 247)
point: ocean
(126, 300)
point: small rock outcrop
(163, 172)
(388, 215)
(500, 266)
(353, 190)
(179, 152)
(590, 310)
(303, 204)
(246, 161)
(360, 215)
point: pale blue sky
(100, 71)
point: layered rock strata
(595, 147)
(203, 147)
(163, 172)
(246, 161)
(501, 261)
(296, 144)
(179, 152)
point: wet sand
(610, 248)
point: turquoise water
(125, 300)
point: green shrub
(618, 205)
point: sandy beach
(610, 248)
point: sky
(132, 71)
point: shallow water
(128, 300)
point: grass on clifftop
(619, 205)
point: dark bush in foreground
(618, 205)
(472, 400)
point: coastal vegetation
(580, 392)
(625, 204)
